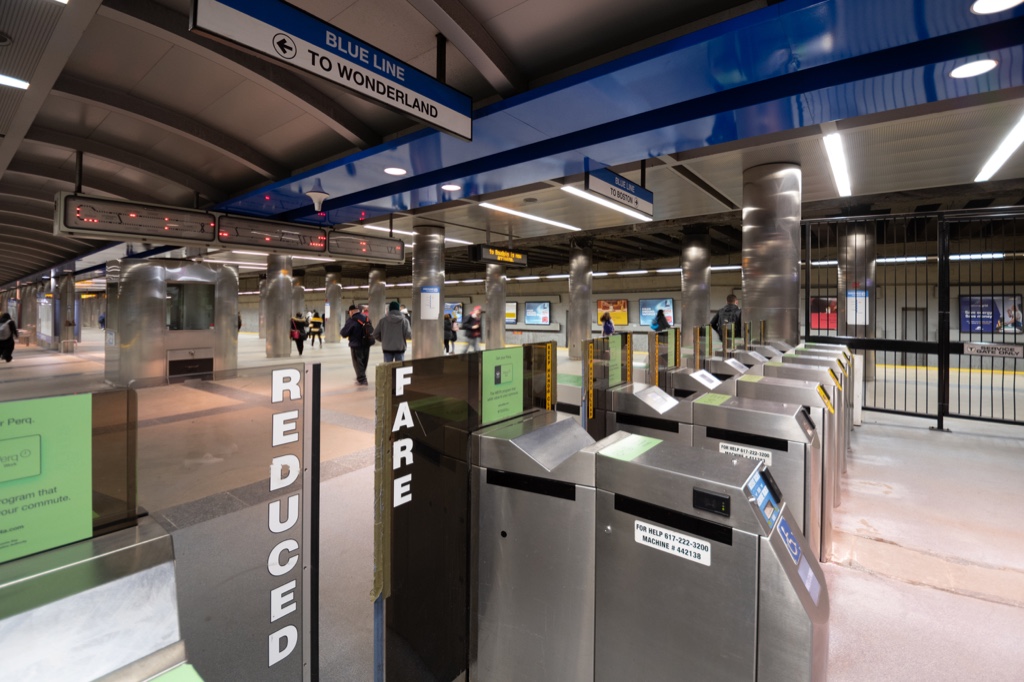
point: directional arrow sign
(289, 35)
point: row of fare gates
(611, 529)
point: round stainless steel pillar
(771, 249)
(280, 307)
(581, 275)
(378, 288)
(334, 320)
(427, 291)
(298, 292)
(225, 293)
(66, 307)
(494, 320)
(856, 305)
(263, 308)
(694, 276)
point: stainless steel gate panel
(839, 368)
(649, 411)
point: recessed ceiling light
(13, 82)
(395, 171)
(451, 188)
(972, 69)
(993, 6)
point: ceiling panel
(129, 132)
(115, 55)
(71, 116)
(249, 110)
(299, 142)
(37, 152)
(185, 81)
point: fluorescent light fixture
(837, 159)
(993, 6)
(395, 171)
(232, 262)
(977, 256)
(823, 263)
(404, 284)
(251, 267)
(527, 278)
(582, 194)
(387, 229)
(471, 281)
(1006, 148)
(599, 274)
(13, 82)
(453, 240)
(317, 258)
(250, 253)
(529, 217)
(725, 268)
(63, 2)
(556, 276)
(972, 69)
(451, 188)
(903, 259)
(668, 271)
(632, 272)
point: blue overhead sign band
(302, 41)
(620, 190)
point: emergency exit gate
(932, 301)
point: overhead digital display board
(354, 247)
(101, 218)
(482, 253)
(234, 231)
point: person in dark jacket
(607, 326)
(727, 314)
(8, 335)
(660, 321)
(449, 333)
(298, 331)
(316, 329)
(393, 331)
(353, 331)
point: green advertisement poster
(501, 389)
(45, 474)
(614, 361)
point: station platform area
(927, 581)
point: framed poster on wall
(511, 312)
(991, 314)
(649, 308)
(538, 312)
(455, 310)
(619, 309)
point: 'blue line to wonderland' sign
(293, 37)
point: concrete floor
(928, 582)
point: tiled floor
(928, 578)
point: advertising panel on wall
(991, 314)
(649, 308)
(538, 312)
(824, 312)
(455, 310)
(511, 312)
(618, 308)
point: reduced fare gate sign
(300, 40)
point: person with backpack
(392, 332)
(8, 335)
(316, 329)
(727, 314)
(359, 333)
(660, 322)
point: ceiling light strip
(1006, 149)
(837, 160)
(575, 191)
(527, 216)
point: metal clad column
(427, 291)
(263, 308)
(66, 308)
(494, 320)
(857, 259)
(695, 266)
(298, 292)
(225, 293)
(581, 271)
(279, 306)
(378, 292)
(771, 249)
(333, 322)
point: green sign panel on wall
(45, 474)
(501, 385)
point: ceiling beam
(68, 176)
(127, 158)
(28, 194)
(45, 238)
(163, 22)
(466, 33)
(74, 18)
(158, 116)
(727, 235)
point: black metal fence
(932, 303)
